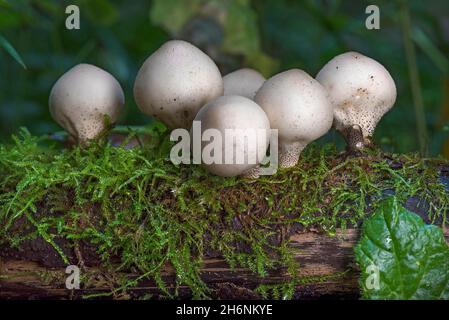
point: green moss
(136, 207)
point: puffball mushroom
(175, 82)
(298, 107)
(82, 97)
(361, 91)
(244, 130)
(243, 82)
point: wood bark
(319, 256)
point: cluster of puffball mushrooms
(179, 83)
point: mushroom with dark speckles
(175, 82)
(361, 91)
(82, 97)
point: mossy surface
(143, 213)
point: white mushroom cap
(81, 98)
(236, 112)
(175, 82)
(360, 89)
(243, 82)
(296, 105)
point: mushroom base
(289, 153)
(253, 173)
(354, 138)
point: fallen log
(326, 270)
(44, 224)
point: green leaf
(263, 63)
(242, 36)
(4, 3)
(100, 11)
(241, 30)
(237, 17)
(409, 259)
(10, 49)
(173, 14)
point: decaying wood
(319, 256)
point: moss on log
(138, 226)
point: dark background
(268, 35)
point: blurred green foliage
(269, 35)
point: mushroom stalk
(355, 139)
(253, 173)
(298, 107)
(289, 153)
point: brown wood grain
(329, 258)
